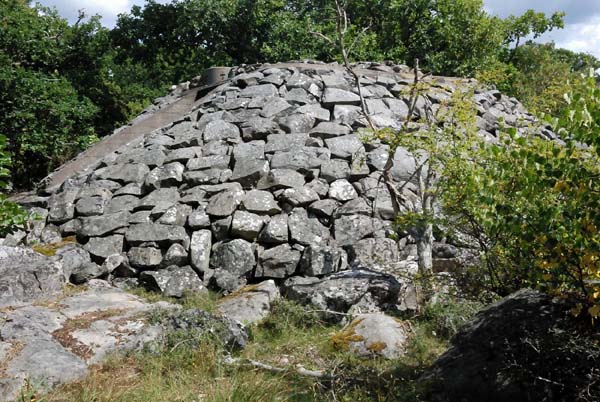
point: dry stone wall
(266, 177)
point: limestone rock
(251, 304)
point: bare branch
(320, 35)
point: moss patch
(50, 249)
(341, 340)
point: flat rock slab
(250, 304)
(52, 342)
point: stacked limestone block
(267, 177)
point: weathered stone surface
(299, 197)
(345, 146)
(198, 219)
(175, 215)
(173, 281)
(144, 257)
(258, 128)
(160, 196)
(342, 190)
(61, 206)
(274, 107)
(246, 225)
(200, 247)
(50, 234)
(123, 173)
(248, 172)
(342, 290)
(221, 228)
(349, 229)
(277, 262)
(183, 154)
(167, 175)
(122, 203)
(175, 255)
(254, 91)
(26, 275)
(221, 130)
(224, 203)
(154, 232)
(356, 206)
(377, 334)
(281, 178)
(208, 176)
(305, 230)
(302, 159)
(86, 272)
(235, 256)
(196, 325)
(275, 231)
(149, 157)
(323, 208)
(260, 202)
(322, 260)
(315, 110)
(251, 304)
(209, 162)
(336, 96)
(335, 169)
(297, 123)
(93, 205)
(104, 246)
(102, 225)
(329, 130)
(249, 150)
(375, 254)
(285, 142)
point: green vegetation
(289, 337)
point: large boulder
(526, 347)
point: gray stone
(303, 160)
(209, 162)
(347, 114)
(334, 169)
(359, 167)
(224, 203)
(333, 96)
(200, 247)
(285, 142)
(94, 205)
(275, 231)
(260, 202)
(329, 130)
(224, 280)
(314, 110)
(319, 186)
(173, 281)
(123, 173)
(149, 157)
(274, 107)
(356, 206)
(154, 232)
(235, 256)
(249, 150)
(341, 291)
(114, 262)
(50, 234)
(322, 260)
(345, 146)
(198, 219)
(246, 225)
(248, 172)
(61, 206)
(175, 255)
(377, 334)
(258, 128)
(70, 227)
(299, 197)
(175, 215)
(375, 254)
(160, 196)
(377, 158)
(251, 304)
(208, 176)
(194, 196)
(26, 276)
(221, 130)
(277, 262)
(86, 272)
(342, 190)
(94, 226)
(281, 178)
(104, 246)
(350, 229)
(215, 148)
(196, 325)
(71, 257)
(297, 123)
(140, 217)
(305, 230)
(144, 257)
(221, 227)
(323, 208)
(254, 91)
(183, 154)
(122, 203)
